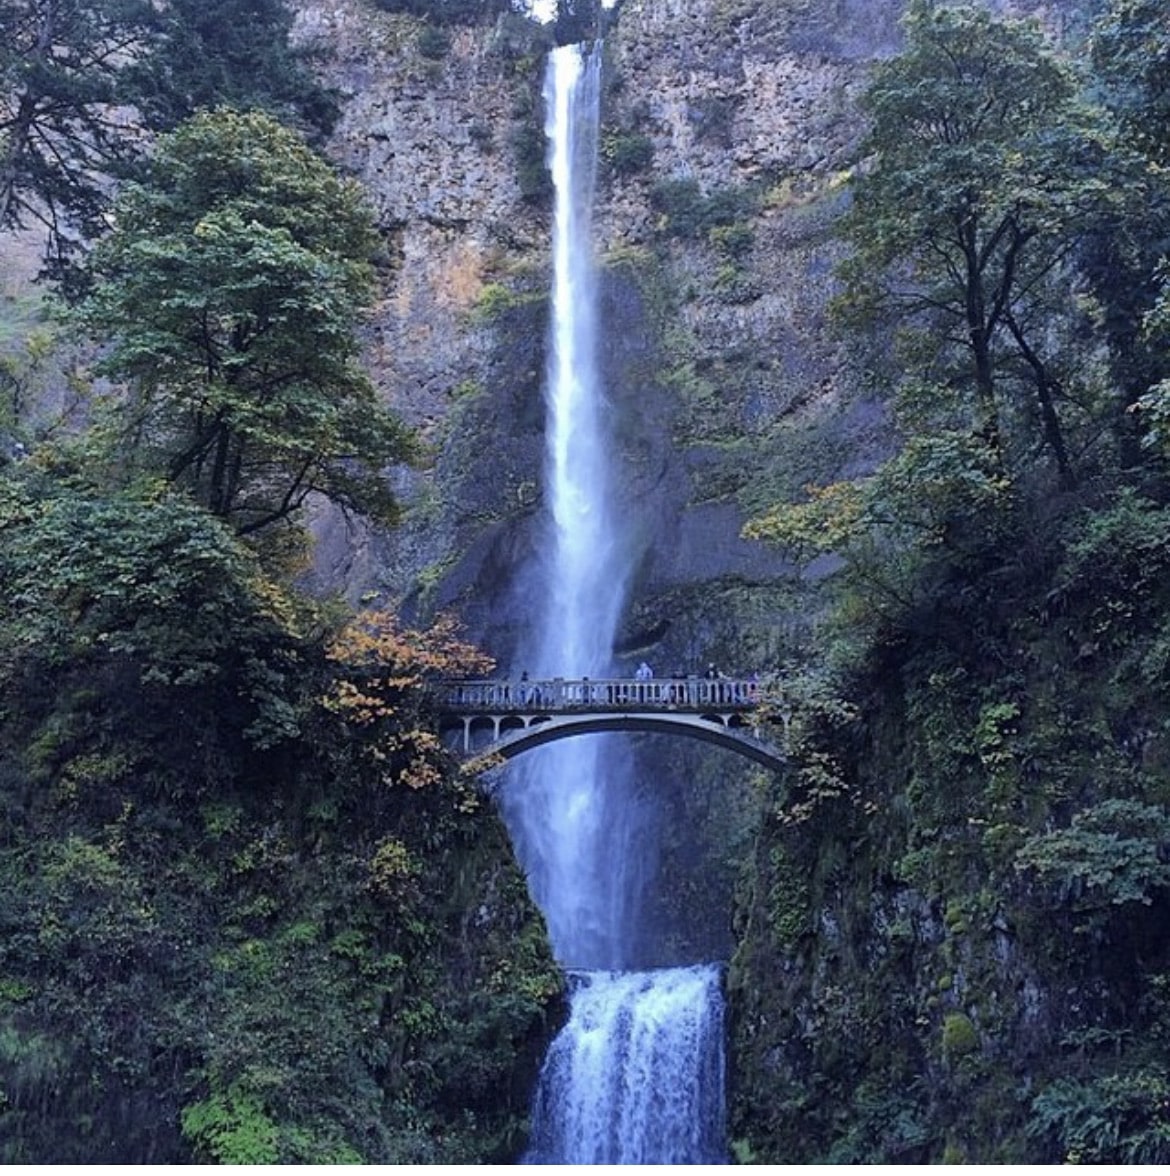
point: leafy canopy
(61, 67)
(145, 580)
(982, 168)
(230, 288)
(208, 53)
(1131, 51)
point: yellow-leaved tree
(380, 690)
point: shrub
(1112, 853)
(690, 214)
(433, 43)
(1118, 1118)
(230, 1128)
(531, 169)
(627, 154)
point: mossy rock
(958, 1035)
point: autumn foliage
(380, 689)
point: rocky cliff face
(729, 130)
(429, 139)
(727, 135)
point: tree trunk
(18, 140)
(1049, 420)
(217, 493)
(979, 335)
(20, 131)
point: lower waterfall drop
(637, 1074)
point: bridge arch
(501, 719)
(513, 742)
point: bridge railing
(562, 694)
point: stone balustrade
(554, 695)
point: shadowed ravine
(636, 1075)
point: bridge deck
(556, 695)
(498, 718)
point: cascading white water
(639, 1077)
(584, 595)
(636, 1075)
(567, 812)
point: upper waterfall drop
(577, 824)
(584, 595)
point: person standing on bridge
(714, 691)
(642, 675)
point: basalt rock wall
(715, 350)
(729, 130)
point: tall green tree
(1130, 51)
(208, 53)
(981, 170)
(61, 67)
(230, 288)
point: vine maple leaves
(380, 690)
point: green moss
(496, 299)
(636, 260)
(958, 1035)
(955, 917)
(13, 990)
(789, 908)
(734, 240)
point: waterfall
(636, 1075)
(583, 597)
(639, 1078)
(567, 805)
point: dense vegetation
(962, 890)
(251, 913)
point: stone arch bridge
(504, 718)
